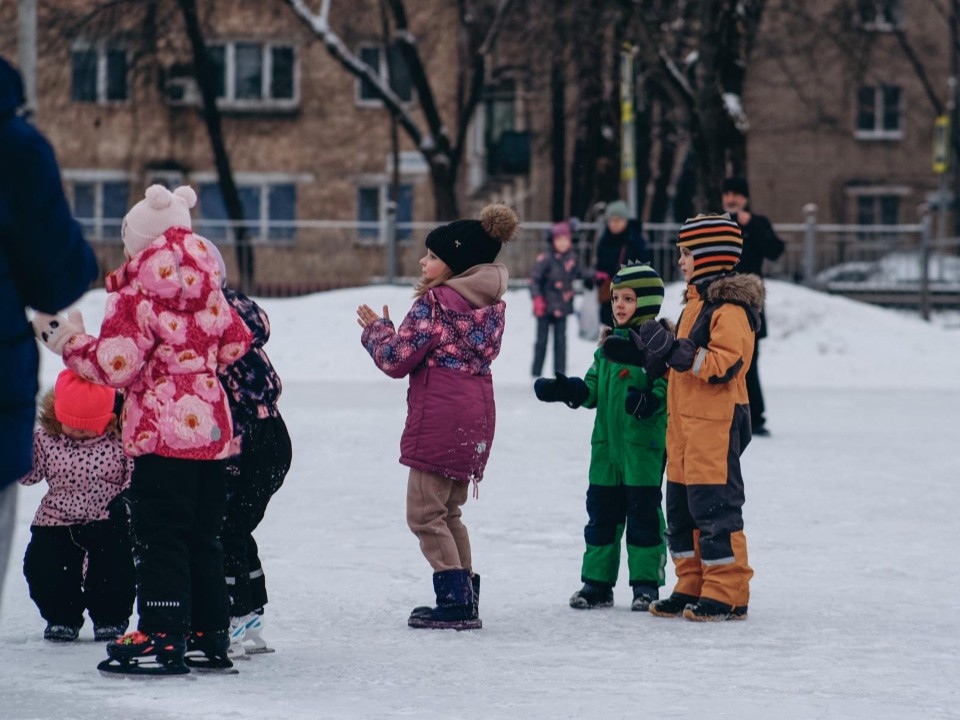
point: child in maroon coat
(79, 556)
(446, 344)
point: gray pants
(8, 516)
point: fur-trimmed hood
(740, 289)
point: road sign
(941, 144)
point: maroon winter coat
(446, 344)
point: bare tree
(478, 28)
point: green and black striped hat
(644, 281)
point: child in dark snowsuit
(551, 285)
(77, 450)
(627, 454)
(446, 344)
(253, 388)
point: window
(371, 208)
(100, 200)
(880, 14)
(269, 209)
(391, 68)
(254, 75)
(98, 74)
(879, 112)
(877, 205)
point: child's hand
(641, 403)
(570, 390)
(55, 331)
(366, 315)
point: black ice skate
(707, 610)
(673, 606)
(207, 652)
(141, 654)
(592, 596)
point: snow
(851, 521)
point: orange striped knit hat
(715, 242)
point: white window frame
(96, 178)
(878, 133)
(382, 184)
(263, 181)
(101, 47)
(264, 102)
(384, 73)
(880, 23)
(876, 191)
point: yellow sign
(941, 144)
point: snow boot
(591, 596)
(106, 633)
(207, 652)
(475, 581)
(455, 610)
(643, 595)
(673, 606)
(149, 654)
(61, 633)
(707, 610)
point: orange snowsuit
(708, 427)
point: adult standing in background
(621, 242)
(760, 243)
(45, 264)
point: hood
(175, 271)
(11, 89)
(743, 289)
(481, 285)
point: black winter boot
(61, 633)
(673, 606)
(455, 608)
(424, 610)
(643, 595)
(591, 596)
(707, 610)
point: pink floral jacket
(166, 330)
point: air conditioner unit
(181, 91)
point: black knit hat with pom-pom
(465, 243)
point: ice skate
(207, 653)
(253, 642)
(146, 655)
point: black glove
(641, 403)
(624, 350)
(588, 283)
(573, 391)
(663, 348)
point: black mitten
(573, 391)
(641, 403)
(663, 348)
(623, 350)
(683, 354)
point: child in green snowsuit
(627, 454)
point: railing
(297, 257)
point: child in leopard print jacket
(79, 556)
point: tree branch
(919, 69)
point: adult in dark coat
(760, 243)
(45, 264)
(621, 242)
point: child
(253, 388)
(77, 450)
(446, 344)
(551, 284)
(627, 454)
(166, 331)
(709, 424)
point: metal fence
(881, 263)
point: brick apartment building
(841, 121)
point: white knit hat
(159, 211)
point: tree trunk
(203, 72)
(444, 191)
(558, 138)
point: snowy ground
(851, 517)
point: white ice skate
(238, 631)
(253, 642)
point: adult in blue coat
(45, 264)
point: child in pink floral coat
(166, 331)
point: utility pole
(628, 156)
(27, 49)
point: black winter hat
(736, 185)
(465, 243)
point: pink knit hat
(159, 211)
(560, 229)
(80, 404)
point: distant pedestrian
(446, 344)
(620, 242)
(79, 557)
(760, 243)
(551, 285)
(45, 264)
